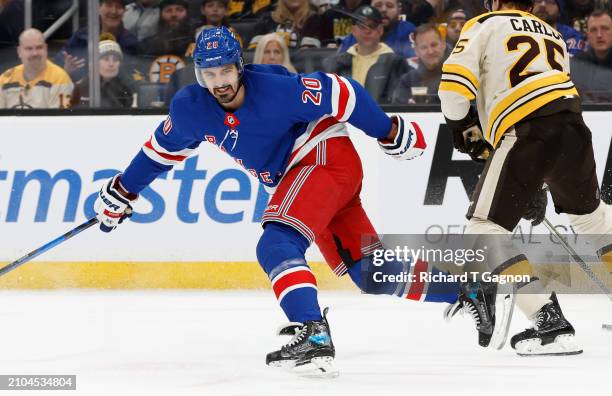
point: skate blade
(504, 307)
(317, 367)
(562, 346)
(450, 311)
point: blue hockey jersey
(284, 116)
(575, 40)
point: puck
(606, 326)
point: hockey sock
(417, 282)
(597, 226)
(280, 252)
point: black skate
(310, 352)
(490, 305)
(551, 334)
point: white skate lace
(473, 312)
(297, 337)
(541, 316)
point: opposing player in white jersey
(529, 119)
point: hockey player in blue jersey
(288, 131)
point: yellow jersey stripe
(520, 92)
(462, 71)
(529, 107)
(460, 89)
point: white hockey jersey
(512, 63)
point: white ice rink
(214, 343)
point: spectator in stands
(370, 62)
(287, 20)
(115, 91)
(174, 32)
(11, 22)
(141, 18)
(272, 50)
(549, 11)
(214, 13)
(420, 85)
(576, 12)
(184, 76)
(397, 34)
(11, 25)
(331, 27)
(419, 11)
(73, 56)
(471, 7)
(454, 23)
(599, 36)
(592, 70)
(239, 9)
(36, 83)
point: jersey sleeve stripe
(457, 87)
(461, 71)
(343, 97)
(460, 79)
(157, 147)
(160, 157)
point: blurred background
(141, 50)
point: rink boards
(198, 225)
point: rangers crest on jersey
(231, 121)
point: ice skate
(551, 334)
(310, 352)
(490, 305)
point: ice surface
(214, 343)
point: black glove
(474, 144)
(468, 137)
(536, 209)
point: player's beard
(227, 95)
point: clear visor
(218, 77)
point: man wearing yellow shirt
(370, 62)
(37, 82)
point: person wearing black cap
(397, 34)
(549, 11)
(73, 56)
(370, 62)
(174, 33)
(141, 18)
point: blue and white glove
(113, 206)
(408, 143)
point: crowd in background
(394, 48)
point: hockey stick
(602, 286)
(48, 246)
(581, 264)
